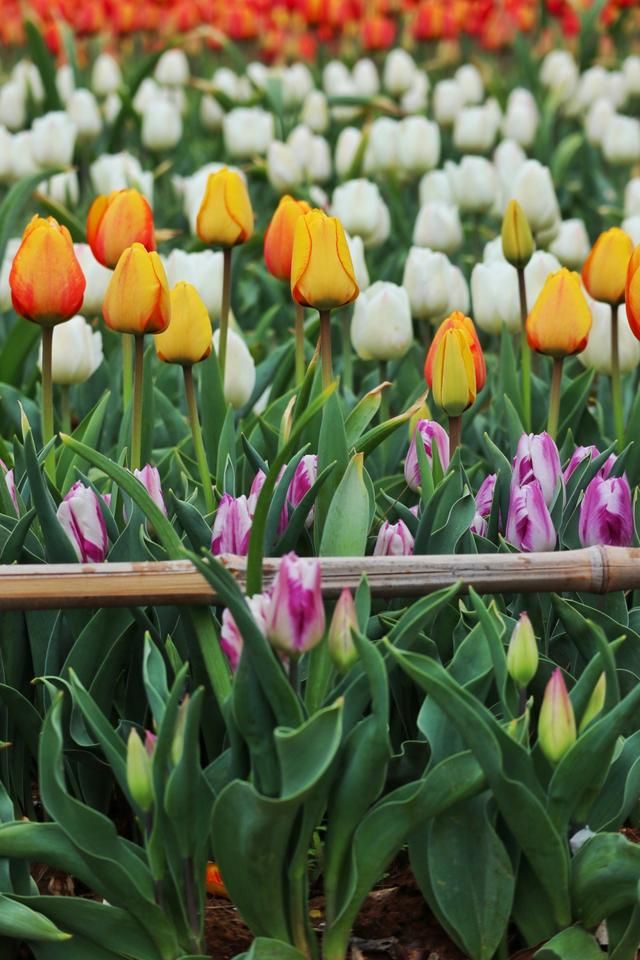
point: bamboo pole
(176, 582)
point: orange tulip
(458, 321)
(137, 300)
(453, 375)
(117, 220)
(605, 270)
(278, 240)
(632, 292)
(225, 217)
(47, 283)
(560, 320)
(322, 274)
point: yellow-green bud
(342, 649)
(177, 744)
(595, 704)
(522, 654)
(557, 722)
(139, 777)
(517, 239)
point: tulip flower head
(296, 618)
(557, 722)
(522, 653)
(138, 299)
(230, 637)
(322, 274)
(453, 377)
(149, 477)
(342, 649)
(77, 351)
(394, 540)
(484, 506)
(537, 458)
(427, 432)
(225, 217)
(46, 281)
(116, 221)
(529, 524)
(606, 513)
(458, 321)
(232, 526)
(604, 273)
(187, 339)
(81, 518)
(517, 239)
(304, 477)
(632, 292)
(278, 239)
(580, 454)
(560, 319)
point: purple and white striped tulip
(149, 477)
(254, 494)
(394, 540)
(230, 637)
(232, 526)
(304, 477)
(430, 432)
(81, 518)
(580, 454)
(537, 458)
(296, 618)
(606, 513)
(484, 505)
(9, 479)
(529, 524)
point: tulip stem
(127, 369)
(325, 348)
(299, 335)
(47, 398)
(525, 353)
(554, 397)
(347, 358)
(616, 385)
(455, 434)
(224, 311)
(136, 416)
(196, 433)
(65, 409)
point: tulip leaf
(332, 448)
(213, 407)
(347, 524)
(573, 400)
(21, 921)
(58, 546)
(446, 539)
(363, 413)
(571, 944)
(45, 64)
(279, 501)
(154, 674)
(604, 877)
(88, 431)
(12, 547)
(620, 790)
(264, 948)
(298, 519)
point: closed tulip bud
(47, 284)
(559, 72)
(453, 379)
(632, 293)
(342, 649)
(517, 239)
(211, 114)
(139, 775)
(597, 353)
(469, 79)
(13, 106)
(347, 147)
(560, 297)
(533, 189)
(149, 477)
(529, 524)
(10, 483)
(81, 518)
(161, 125)
(571, 245)
(606, 513)
(394, 540)
(484, 505)
(621, 140)
(537, 458)
(475, 129)
(77, 351)
(322, 274)
(115, 222)
(522, 653)
(239, 371)
(83, 109)
(595, 704)
(556, 723)
(62, 188)
(225, 217)
(605, 271)
(284, 172)
(474, 183)
(54, 139)
(232, 526)
(315, 111)
(296, 618)
(580, 454)
(356, 249)
(494, 293)
(426, 432)
(105, 76)
(172, 69)
(521, 120)
(231, 640)
(357, 204)
(187, 339)
(304, 477)
(137, 299)
(114, 172)
(365, 76)
(438, 227)
(458, 321)
(418, 145)
(427, 279)
(448, 101)
(381, 327)
(278, 238)
(399, 71)
(247, 131)
(203, 270)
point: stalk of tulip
(299, 342)
(455, 434)
(616, 385)
(518, 247)
(554, 397)
(196, 433)
(224, 309)
(47, 397)
(136, 414)
(347, 356)
(525, 352)
(325, 348)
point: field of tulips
(296, 282)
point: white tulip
(458, 292)
(522, 117)
(508, 158)
(13, 106)
(597, 354)
(23, 163)
(632, 197)
(258, 74)
(415, 98)
(297, 82)
(559, 73)
(381, 327)
(438, 227)
(418, 145)
(28, 76)
(571, 246)
(76, 351)
(177, 97)
(474, 183)
(365, 77)
(536, 272)
(533, 189)
(621, 141)
(211, 113)
(475, 129)
(247, 131)
(399, 72)
(161, 125)
(381, 155)
(229, 83)
(54, 139)
(65, 82)
(117, 171)
(357, 203)
(592, 85)
(382, 228)
(435, 185)
(62, 188)
(319, 161)
(427, 278)
(318, 197)
(356, 249)
(147, 93)
(597, 119)
(83, 109)
(617, 88)
(495, 297)
(6, 167)
(631, 74)
(111, 107)
(283, 170)
(631, 226)
(240, 369)
(493, 251)
(11, 249)
(97, 277)
(204, 271)
(106, 76)
(448, 101)
(347, 146)
(315, 111)
(172, 69)
(335, 78)
(469, 79)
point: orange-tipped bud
(278, 240)
(604, 273)
(47, 283)
(560, 320)
(453, 375)
(117, 220)
(632, 292)
(225, 217)
(137, 300)
(214, 881)
(187, 339)
(322, 274)
(458, 321)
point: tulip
(83, 109)
(414, 100)
(537, 458)
(632, 293)
(453, 380)
(348, 146)
(97, 280)
(187, 339)
(10, 483)
(595, 704)
(81, 518)
(203, 270)
(13, 106)
(344, 621)
(517, 239)
(484, 506)
(458, 321)
(533, 189)
(571, 245)
(529, 524)
(399, 72)
(621, 140)
(559, 72)
(247, 131)
(254, 495)
(394, 540)
(304, 477)
(77, 351)
(231, 640)
(139, 773)
(448, 101)
(522, 117)
(296, 618)
(365, 76)
(315, 111)
(11, 248)
(428, 432)
(556, 723)
(240, 370)
(474, 130)
(597, 354)
(172, 69)
(438, 227)
(54, 139)
(381, 327)
(632, 197)
(356, 249)
(597, 120)
(580, 454)
(357, 204)
(427, 278)
(631, 73)
(474, 183)
(606, 513)
(435, 185)
(211, 114)
(105, 76)
(62, 188)
(232, 526)
(418, 145)
(522, 653)
(46, 281)
(469, 79)
(284, 172)
(117, 221)
(121, 171)
(278, 239)
(161, 125)
(149, 477)
(494, 293)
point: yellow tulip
(605, 270)
(560, 319)
(137, 300)
(517, 239)
(453, 373)
(225, 217)
(322, 274)
(187, 339)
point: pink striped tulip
(580, 454)
(394, 540)
(484, 505)
(296, 618)
(232, 526)
(304, 477)
(81, 518)
(529, 524)
(149, 477)
(606, 513)
(230, 637)
(537, 458)
(429, 432)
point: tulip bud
(561, 296)
(115, 222)
(556, 723)
(47, 284)
(474, 183)
(10, 483)
(458, 321)
(606, 513)
(595, 704)
(537, 458)
(381, 327)
(517, 239)
(438, 227)
(361, 273)
(484, 506)
(161, 125)
(232, 526)
(225, 217)
(453, 381)
(53, 140)
(428, 279)
(358, 205)
(187, 339)
(203, 270)
(97, 280)
(105, 76)
(112, 173)
(522, 654)
(342, 649)
(427, 432)
(296, 618)
(533, 189)
(448, 101)
(231, 640)
(571, 245)
(632, 293)
(177, 744)
(522, 117)
(304, 477)
(597, 354)
(399, 71)
(621, 141)
(139, 775)
(494, 292)
(278, 238)
(240, 369)
(77, 351)
(149, 477)
(138, 299)
(81, 518)
(172, 69)
(394, 540)
(529, 524)
(322, 274)
(605, 271)
(247, 131)
(284, 172)
(418, 145)
(587, 453)
(83, 109)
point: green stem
(616, 384)
(325, 348)
(196, 433)
(299, 335)
(554, 397)
(224, 312)
(525, 352)
(65, 409)
(47, 398)
(136, 416)
(347, 355)
(455, 434)
(127, 369)
(191, 898)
